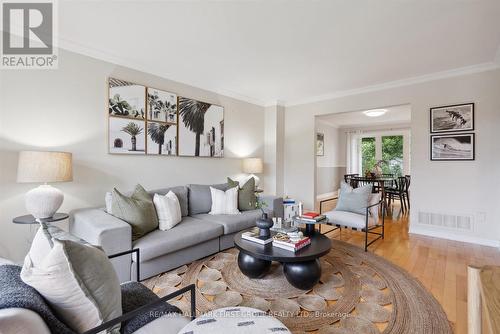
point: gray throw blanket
(14, 293)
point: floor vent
(454, 222)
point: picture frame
(161, 106)
(320, 144)
(200, 128)
(126, 136)
(452, 118)
(453, 147)
(126, 99)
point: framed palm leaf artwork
(162, 106)
(126, 99)
(161, 138)
(201, 128)
(126, 136)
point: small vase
(264, 224)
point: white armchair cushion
(349, 219)
(21, 321)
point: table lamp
(44, 167)
(253, 166)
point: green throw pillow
(246, 194)
(138, 210)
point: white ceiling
(292, 51)
(394, 115)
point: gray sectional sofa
(198, 235)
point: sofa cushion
(200, 198)
(137, 210)
(349, 219)
(246, 194)
(188, 232)
(233, 223)
(182, 196)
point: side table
(29, 220)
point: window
(367, 153)
(392, 154)
(391, 146)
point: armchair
(365, 223)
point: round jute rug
(359, 292)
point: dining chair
(348, 178)
(407, 190)
(397, 192)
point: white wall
(468, 187)
(66, 109)
(331, 166)
(274, 150)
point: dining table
(379, 182)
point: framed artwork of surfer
(453, 147)
(455, 118)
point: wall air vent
(449, 221)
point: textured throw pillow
(353, 200)
(246, 194)
(224, 202)
(168, 209)
(138, 210)
(78, 282)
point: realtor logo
(28, 40)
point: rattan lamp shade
(253, 166)
(44, 167)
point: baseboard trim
(417, 229)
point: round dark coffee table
(302, 269)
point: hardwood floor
(441, 265)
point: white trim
(401, 83)
(435, 233)
(119, 60)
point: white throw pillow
(108, 199)
(168, 210)
(224, 202)
(77, 280)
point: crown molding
(401, 83)
(133, 64)
(122, 61)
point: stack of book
(312, 217)
(293, 244)
(254, 237)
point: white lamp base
(43, 201)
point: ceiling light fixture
(375, 112)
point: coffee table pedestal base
(303, 275)
(253, 267)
